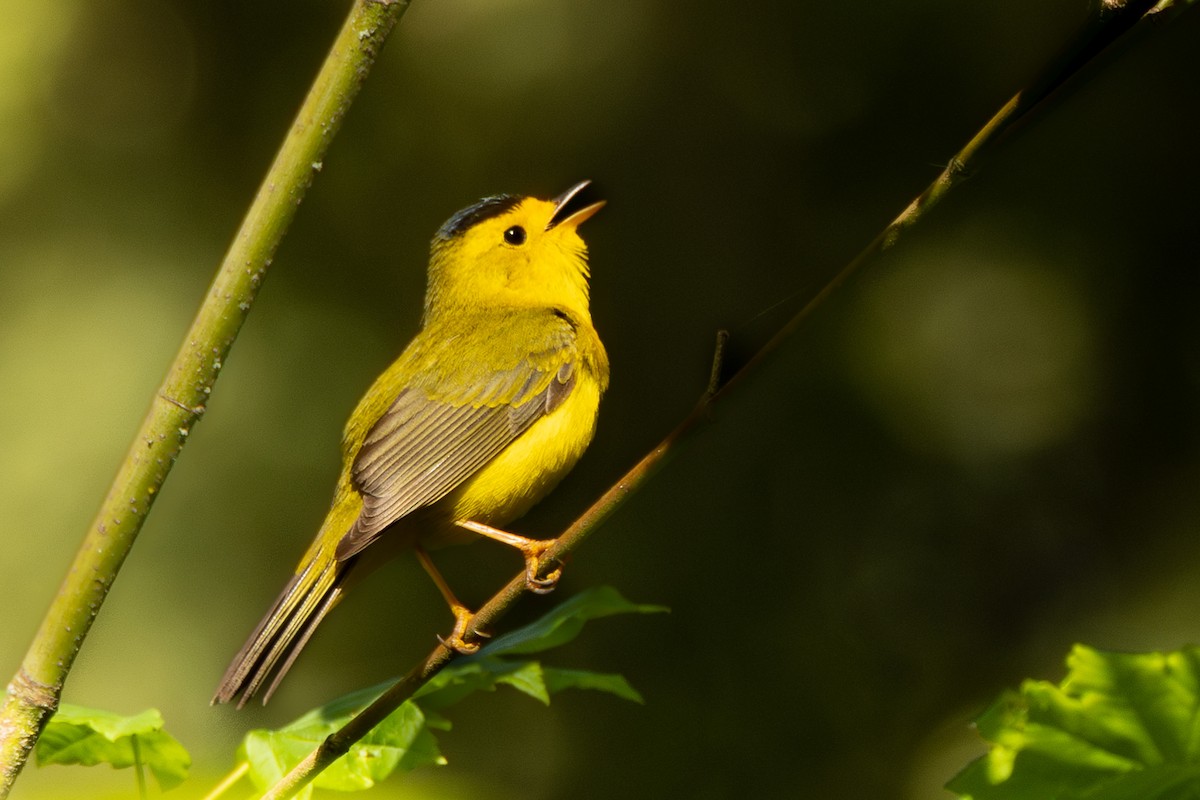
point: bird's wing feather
(446, 424)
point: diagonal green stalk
(228, 782)
(138, 768)
(1111, 22)
(33, 694)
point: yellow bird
(488, 407)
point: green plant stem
(138, 768)
(1111, 21)
(33, 694)
(228, 781)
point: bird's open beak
(571, 208)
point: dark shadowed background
(985, 449)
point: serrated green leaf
(527, 678)
(108, 724)
(399, 742)
(87, 736)
(167, 759)
(269, 755)
(405, 740)
(482, 674)
(559, 679)
(563, 622)
(1120, 726)
(458, 680)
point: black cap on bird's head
(472, 215)
(570, 207)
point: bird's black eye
(515, 235)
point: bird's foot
(457, 640)
(532, 549)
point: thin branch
(138, 768)
(718, 366)
(33, 694)
(1112, 20)
(229, 781)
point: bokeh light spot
(974, 355)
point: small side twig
(718, 367)
(229, 781)
(139, 768)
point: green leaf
(1121, 726)
(404, 741)
(462, 678)
(401, 741)
(481, 674)
(563, 622)
(88, 736)
(559, 679)
(528, 678)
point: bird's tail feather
(281, 635)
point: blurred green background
(980, 452)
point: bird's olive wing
(424, 446)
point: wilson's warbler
(482, 414)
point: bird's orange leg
(532, 549)
(462, 614)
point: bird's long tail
(273, 646)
